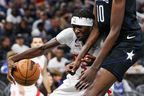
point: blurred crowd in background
(26, 24)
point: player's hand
(71, 68)
(11, 66)
(86, 79)
(89, 59)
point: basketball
(26, 72)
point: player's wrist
(94, 68)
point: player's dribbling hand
(11, 65)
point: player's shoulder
(66, 36)
(68, 30)
(66, 33)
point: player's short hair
(86, 13)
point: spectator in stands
(55, 27)
(14, 17)
(25, 30)
(19, 46)
(57, 77)
(140, 6)
(39, 31)
(9, 31)
(43, 18)
(4, 47)
(140, 13)
(65, 20)
(28, 17)
(4, 54)
(59, 61)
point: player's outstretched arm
(34, 52)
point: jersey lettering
(100, 13)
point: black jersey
(130, 23)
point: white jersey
(69, 38)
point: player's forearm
(116, 22)
(34, 52)
(31, 53)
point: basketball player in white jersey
(75, 37)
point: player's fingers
(70, 72)
(78, 85)
(14, 66)
(81, 77)
(87, 60)
(83, 85)
(8, 77)
(82, 80)
(86, 86)
(11, 79)
(90, 56)
(82, 60)
(69, 67)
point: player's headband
(82, 21)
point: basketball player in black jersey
(116, 20)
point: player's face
(82, 32)
(36, 42)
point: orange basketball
(26, 72)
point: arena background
(20, 20)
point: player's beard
(84, 38)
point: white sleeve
(65, 36)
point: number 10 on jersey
(100, 13)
